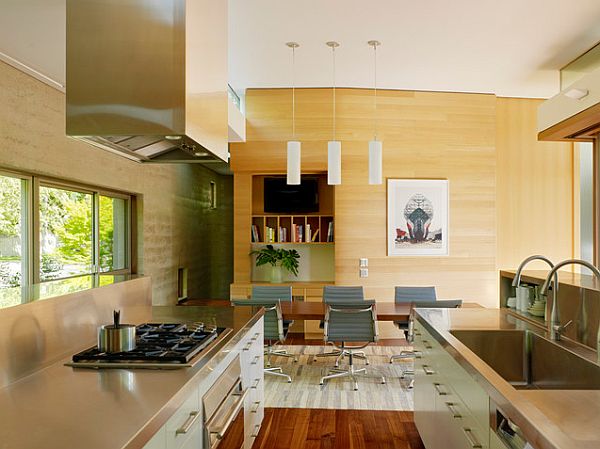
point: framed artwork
(417, 214)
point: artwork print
(417, 217)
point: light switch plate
(364, 272)
(363, 262)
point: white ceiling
(507, 47)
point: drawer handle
(255, 383)
(438, 388)
(452, 407)
(256, 430)
(418, 354)
(427, 344)
(255, 361)
(189, 422)
(248, 346)
(255, 407)
(472, 440)
(255, 337)
(428, 370)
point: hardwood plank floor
(286, 428)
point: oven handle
(219, 433)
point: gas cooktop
(158, 345)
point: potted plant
(278, 258)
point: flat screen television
(281, 198)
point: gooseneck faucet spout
(554, 316)
(517, 279)
(556, 327)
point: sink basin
(528, 361)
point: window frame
(31, 240)
(26, 229)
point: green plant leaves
(289, 258)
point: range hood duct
(147, 79)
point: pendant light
(293, 146)
(334, 147)
(375, 146)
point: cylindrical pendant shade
(334, 162)
(375, 162)
(293, 162)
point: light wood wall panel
(425, 135)
(537, 189)
(509, 195)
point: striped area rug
(305, 391)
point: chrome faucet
(556, 328)
(517, 281)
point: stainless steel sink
(527, 360)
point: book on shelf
(282, 234)
(307, 234)
(315, 235)
(330, 232)
(255, 233)
(297, 233)
(270, 235)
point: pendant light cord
(333, 53)
(375, 114)
(293, 93)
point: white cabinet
(185, 430)
(184, 422)
(252, 360)
(451, 409)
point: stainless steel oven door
(224, 410)
(226, 426)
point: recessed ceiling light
(577, 94)
(173, 137)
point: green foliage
(8, 279)
(75, 234)
(10, 206)
(106, 232)
(50, 266)
(288, 258)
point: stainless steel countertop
(551, 419)
(67, 408)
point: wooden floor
(286, 428)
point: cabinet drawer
(470, 392)
(424, 402)
(456, 420)
(184, 422)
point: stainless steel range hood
(147, 79)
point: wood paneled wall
(425, 135)
(537, 189)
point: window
(54, 230)
(13, 238)
(66, 239)
(113, 230)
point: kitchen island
(480, 367)
(68, 408)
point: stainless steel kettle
(116, 337)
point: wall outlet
(363, 262)
(364, 272)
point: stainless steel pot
(116, 337)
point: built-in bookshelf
(293, 229)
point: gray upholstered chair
(350, 322)
(271, 292)
(333, 294)
(274, 330)
(274, 293)
(404, 295)
(444, 304)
